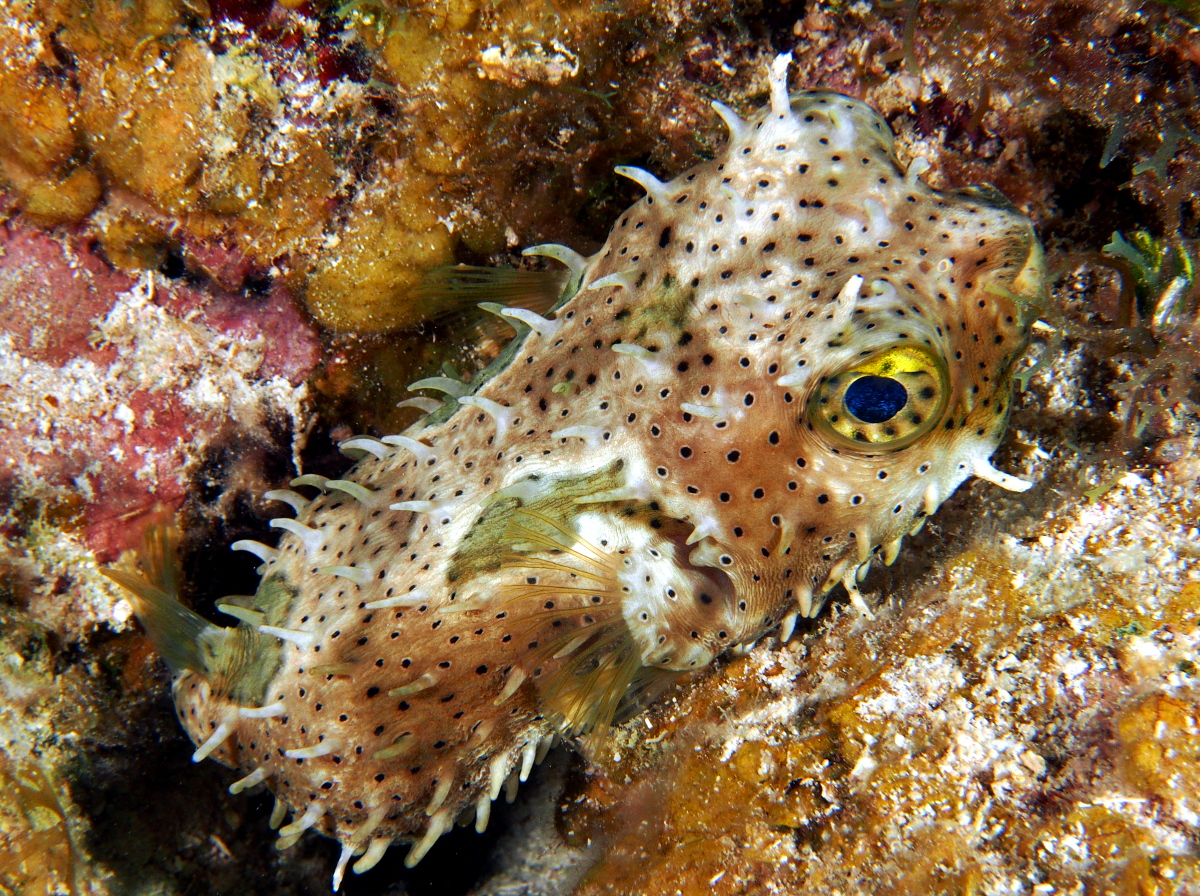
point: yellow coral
(36, 855)
(1159, 750)
(363, 275)
(38, 142)
(149, 126)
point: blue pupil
(875, 399)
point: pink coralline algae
(115, 387)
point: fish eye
(888, 400)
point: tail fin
(182, 636)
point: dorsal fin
(452, 289)
(237, 662)
(451, 296)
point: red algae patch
(115, 386)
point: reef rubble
(1021, 720)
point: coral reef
(1024, 718)
(38, 853)
(1020, 714)
(349, 149)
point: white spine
(355, 574)
(299, 638)
(700, 410)
(222, 731)
(850, 583)
(733, 121)
(483, 811)
(422, 452)
(984, 470)
(428, 405)
(257, 548)
(618, 278)
(414, 506)
(324, 748)
(455, 388)
(560, 253)
(298, 503)
(594, 434)
(396, 750)
(309, 479)
(931, 500)
(339, 870)
(835, 576)
(528, 755)
(374, 819)
(359, 492)
(410, 598)
(804, 599)
(541, 325)
(573, 645)
(312, 814)
(635, 351)
(847, 299)
(781, 103)
(311, 538)
(371, 857)
(787, 626)
(916, 168)
(516, 677)
(862, 571)
(242, 614)
(289, 841)
(501, 415)
(438, 825)
(424, 683)
(705, 527)
(862, 538)
(253, 779)
(497, 772)
(439, 795)
(795, 378)
(363, 443)
(269, 711)
(644, 179)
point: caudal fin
(152, 580)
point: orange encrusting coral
(349, 167)
(38, 856)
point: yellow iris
(888, 400)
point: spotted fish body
(777, 366)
